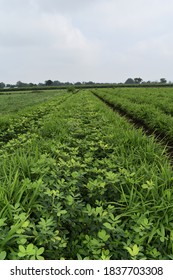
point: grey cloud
(101, 40)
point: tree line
(140, 81)
(49, 82)
(129, 81)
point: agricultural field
(13, 102)
(78, 181)
(151, 107)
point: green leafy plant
(77, 181)
(30, 252)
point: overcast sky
(83, 40)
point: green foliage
(31, 252)
(78, 182)
(3, 255)
(14, 102)
(71, 89)
(151, 108)
(133, 251)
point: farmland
(78, 181)
(13, 102)
(151, 107)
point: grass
(17, 101)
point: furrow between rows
(138, 123)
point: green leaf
(145, 221)
(40, 251)
(162, 230)
(20, 231)
(162, 239)
(25, 224)
(129, 250)
(133, 251)
(79, 257)
(89, 208)
(70, 199)
(40, 258)
(2, 222)
(171, 235)
(20, 254)
(103, 235)
(95, 242)
(22, 249)
(108, 226)
(23, 241)
(153, 232)
(3, 255)
(61, 212)
(30, 249)
(145, 186)
(155, 253)
(75, 174)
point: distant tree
(2, 85)
(68, 84)
(78, 83)
(48, 83)
(21, 84)
(163, 81)
(41, 84)
(137, 80)
(130, 81)
(57, 83)
(90, 83)
(11, 86)
(31, 85)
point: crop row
(87, 185)
(160, 98)
(147, 113)
(18, 101)
(26, 122)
